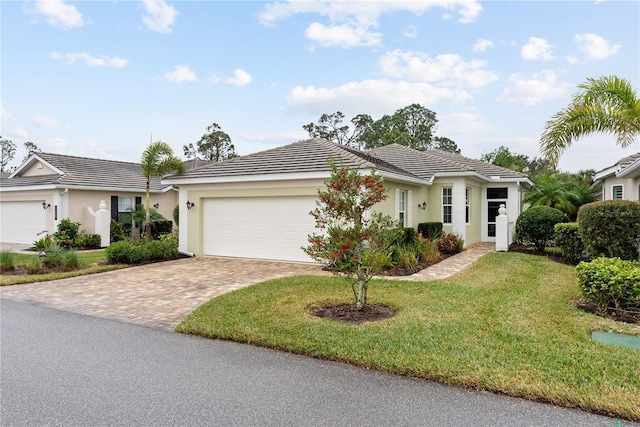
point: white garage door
(258, 227)
(21, 222)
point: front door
(495, 198)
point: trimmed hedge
(610, 282)
(536, 225)
(611, 228)
(138, 252)
(430, 230)
(566, 237)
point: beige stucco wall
(630, 188)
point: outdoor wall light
(157, 205)
(190, 204)
(422, 206)
(46, 205)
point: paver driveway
(158, 295)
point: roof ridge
(39, 154)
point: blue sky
(97, 78)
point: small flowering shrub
(450, 244)
(67, 232)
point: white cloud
(342, 35)
(541, 87)
(536, 50)
(595, 46)
(572, 60)
(372, 96)
(240, 78)
(58, 14)
(44, 121)
(159, 16)
(4, 114)
(58, 143)
(18, 133)
(461, 123)
(449, 69)
(90, 61)
(411, 32)
(482, 45)
(181, 74)
(350, 21)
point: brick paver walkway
(162, 294)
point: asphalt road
(61, 368)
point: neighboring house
(620, 181)
(257, 206)
(47, 188)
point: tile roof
(310, 155)
(430, 163)
(87, 172)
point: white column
(458, 210)
(103, 224)
(502, 230)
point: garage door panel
(263, 227)
(20, 222)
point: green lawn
(90, 262)
(506, 324)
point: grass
(506, 324)
(90, 262)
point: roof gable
(626, 166)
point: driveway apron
(156, 295)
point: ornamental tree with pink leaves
(354, 242)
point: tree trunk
(362, 298)
(147, 216)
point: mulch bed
(350, 314)
(408, 271)
(531, 250)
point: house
(257, 206)
(47, 188)
(620, 181)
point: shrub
(84, 240)
(566, 237)
(426, 249)
(176, 214)
(53, 257)
(42, 244)
(406, 236)
(610, 228)
(117, 232)
(536, 225)
(430, 230)
(159, 228)
(450, 244)
(129, 252)
(609, 282)
(170, 237)
(6, 261)
(67, 232)
(404, 256)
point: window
(125, 206)
(497, 193)
(447, 202)
(616, 192)
(467, 205)
(402, 207)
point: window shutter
(114, 208)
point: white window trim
(613, 193)
(449, 205)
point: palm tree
(607, 104)
(157, 161)
(553, 191)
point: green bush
(169, 237)
(176, 214)
(42, 244)
(450, 244)
(405, 256)
(426, 249)
(117, 232)
(69, 260)
(430, 230)
(406, 236)
(536, 226)
(67, 232)
(611, 228)
(610, 282)
(6, 261)
(159, 228)
(53, 255)
(567, 238)
(130, 252)
(92, 241)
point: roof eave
(30, 161)
(633, 167)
